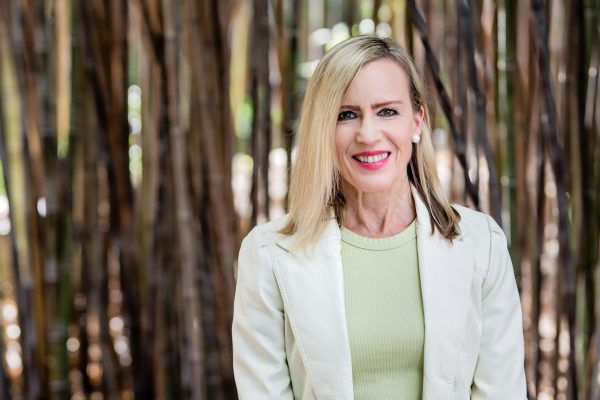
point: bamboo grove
(141, 139)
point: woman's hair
(315, 181)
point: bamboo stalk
(581, 177)
(591, 127)
(510, 60)
(349, 12)
(151, 255)
(168, 362)
(466, 20)
(122, 196)
(527, 157)
(194, 354)
(34, 102)
(4, 383)
(52, 293)
(19, 170)
(582, 157)
(218, 238)
(111, 109)
(535, 213)
(78, 172)
(261, 103)
(462, 111)
(459, 145)
(289, 81)
(538, 277)
(376, 7)
(554, 150)
(169, 304)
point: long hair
(314, 195)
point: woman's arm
(259, 358)
(500, 372)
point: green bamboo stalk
(35, 97)
(55, 328)
(13, 74)
(68, 244)
(508, 117)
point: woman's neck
(379, 214)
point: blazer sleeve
(259, 357)
(500, 372)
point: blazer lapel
(445, 271)
(312, 287)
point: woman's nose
(368, 131)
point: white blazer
(290, 339)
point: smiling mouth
(372, 159)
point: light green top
(384, 311)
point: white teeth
(372, 159)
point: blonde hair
(314, 193)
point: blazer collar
(331, 231)
(423, 218)
(313, 292)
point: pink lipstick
(372, 160)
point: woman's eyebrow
(386, 103)
(373, 106)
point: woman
(373, 286)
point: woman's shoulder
(472, 221)
(482, 231)
(485, 236)
(271, 227)
(266, 233)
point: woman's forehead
(380, 78)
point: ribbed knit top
(384, 313)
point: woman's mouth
(372, 160)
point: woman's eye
(387, 112)
(346, 115)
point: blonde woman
(374, 286)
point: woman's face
(373, 135)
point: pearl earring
(416, 138)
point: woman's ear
(419, 118)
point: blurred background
(140, 140)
